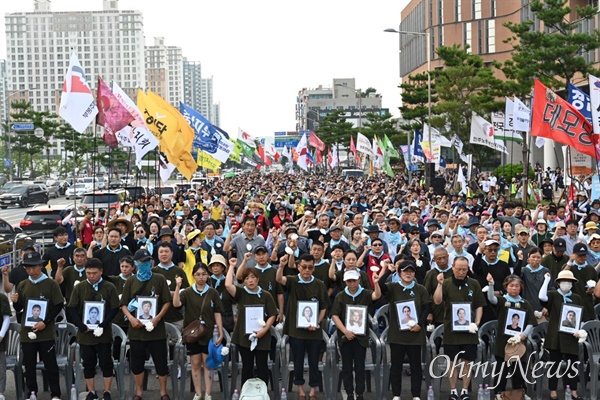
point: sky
(261, 53)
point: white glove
(279, 326)
(261, 323)
(430, 328)
(149, 326)
(515, 340)
(289, 250)
(225, 351)
(98, 331)
(473, 328)
(32, 335)
(538, 314)
(374, 268)
(582, 335)
(253, 341)
(411, 323)
(590, 283)
(485, 289)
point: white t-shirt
(485, 186)
(493, 181)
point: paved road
(14, 215)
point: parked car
(78, 190)
(115, 184)
(8, 235)
(23, 196)
(167, 192)
(41, 220)
(135, 192)
(53, 188)
(9, 185)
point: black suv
(43, 219)
(23, 196)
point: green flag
(246, 148)
(389, 147)
(235, 154)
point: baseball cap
(522, 230)
(409, 266)
(490, 242)
(142, 255)
(593, 237)
(260, 248)
(32, 259)
(351, 274)
(580, 249)
(560, 244)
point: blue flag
(581, 101)
(207, 137)
(417, 151)
(442, 162)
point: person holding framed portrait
(94, 304)
(39, 339)
(304, 287)
(440, 265)
(409, 304)
(460, 344)
(256, 315)
(562, 346)
(585, 275)
(350, 315)
(151, 337)
(515, 318)
(201, 303)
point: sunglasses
(377, 245)
(140, 232)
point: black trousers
(557, 357)
(261, 357)
(300, 347)
(398, 352)
(96, 354)
(353, 359)
(47, 353)
(518, 382)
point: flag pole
(74, 183)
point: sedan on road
(78, 190)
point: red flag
(277, 156)
(263, 156)
(554, 118)
(319, 157)
(352, 146)
(315, 142)
(329, 156)
(112, 115)
(570, 198)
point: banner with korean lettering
(500, 133)
(482, 133)
(595, 102)
(206, 137)
(581, 101)
(137, 134)
(556, 119)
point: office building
(164, 71)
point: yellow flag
(207, 161)
(170, 128)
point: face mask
(565, 286)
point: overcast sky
(262, 53)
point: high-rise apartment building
(206, 99)
(192, 76)
(314, 104)
(164, 71)
(109, 43)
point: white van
(353, 172)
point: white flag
(334, 158)
(77, 104)
(482, 133)
(302, 149)
(165, 167)
(139, 137)
(522, 116)
(436, 137)
(458, 145)
(461, 179)
(363, 144)
(595, 102)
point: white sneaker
(2, 397)
(197, 396)
(208, 397)
(396, 398)
(416, 398)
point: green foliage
(555, 54)
(334, 130)
(464, 86)
(415, 101)
(512, 171)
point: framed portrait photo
(515, 322)
(570, 318)
(146, 310)
(356, 319)
(461, 317)
(407, 311)
(36, 311)
(253, 315)
(307, 314)
(93, 313)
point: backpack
(254, 389)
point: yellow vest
(190, 261)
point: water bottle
(486, 392)
(33, 396)
(215, 334)
(480, 393)
(283, 394)
(430, 393)
(568, 395)
(73, 393)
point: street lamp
(428, 49)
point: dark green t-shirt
(314, 291)
(107, 293)
(430, 284)
(46, 290)
(4, 310)
(119, 285)
(451, 293)
(267, 280)
(502, 311)
(562, 341)
(156, 287)
(398, 297)
(340, 306)
(194, 309)
(173, 314)
(244, 299)
(70, 276)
